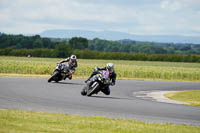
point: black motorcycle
(96, 83)
(61, 72)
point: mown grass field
(192, 97)
(15, 121)
(124, 69)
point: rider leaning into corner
(109, 67)
(72, 61)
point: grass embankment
(191, 97)
(27, 121)
(124, 69)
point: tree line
(130, 46)
(25, 42)
(88, 54)
(19, 45)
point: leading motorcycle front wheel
(53, 77)
(84, 91)
(93, 89)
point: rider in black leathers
(72, 60)
(112, 75)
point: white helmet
(73, 58)
(110, 67)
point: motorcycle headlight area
(97, 77)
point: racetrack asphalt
(37, 94)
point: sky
(142, 17)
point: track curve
(64, 97)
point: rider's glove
(96, 69)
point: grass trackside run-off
(124, 69)
(27, 121)
(192, 96)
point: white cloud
(164, 4)
(175, 5)
(143, 17)
(172, 5)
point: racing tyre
(53, 76)
(93, 89)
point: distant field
(124, 69)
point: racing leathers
(112, 76)
(72, 66)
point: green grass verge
(191, 97)
(124, 69)
(15, 121)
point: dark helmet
(73, 58)
(110, 67)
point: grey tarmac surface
(37, 94)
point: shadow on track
(67, 83)
(109, 97)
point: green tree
(78, 43)
(18, 46)
(38, 43)
(62, 50)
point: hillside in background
(114, 35)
